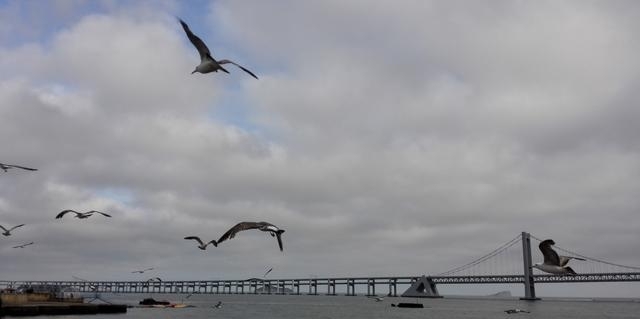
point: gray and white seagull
(263, 226)
(80, 215)
(202, 245)
(7, 232)
(207, 62)
(553, 263)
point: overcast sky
(386, 137)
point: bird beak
(194, 71)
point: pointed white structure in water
(422, 288)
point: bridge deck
(306, 285)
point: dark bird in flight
(80, 215)
(202, 245)
(23, 245)
(141, 271)
(207, 62)
(553, 263)
(7, 232)
(263, 226)
(6, 167)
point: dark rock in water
(151, 302)
(408, 305)
(510, 311)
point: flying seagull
(553, 263)
(7, 232)
(202, 245)
(207, 62)
(6, 167)
(263, 226)
(23, 245)
(80, 215)
(141, 271)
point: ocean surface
(300, 307)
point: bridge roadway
(308, 286)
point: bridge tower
(529, 285)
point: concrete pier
(59, 308)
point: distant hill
(273, 290)
(502, 294)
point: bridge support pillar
(529, 284)
(371, 287)
(393, 288)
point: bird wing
(14, 227)
(197, 42)
(3, 228)
(224, 61)
(238, 228)
(23, 245)
(66, 211)
(550, 255)
(279, 239)
(196, 238)
(564, 260)
(213, 241)
(95, 211)
(22, 167)
(268, 271)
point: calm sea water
(300, 307)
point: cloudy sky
(386, 137)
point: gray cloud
(399, 139)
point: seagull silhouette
(6, 167)
(553, 263)
(80, 215)
(23, 245)
(263, 226)
(7, 232)
(141, 271)
(202, 245)
(207, 62)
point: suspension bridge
(511, 263)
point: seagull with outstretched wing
(141, 271)
(202, 245)
(207, 62)
(80, 215)
(23, 245)
(263, 226)
(553, 263)
(7, 231)
(7, 167)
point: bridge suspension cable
(484, 258)
(571, 253)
